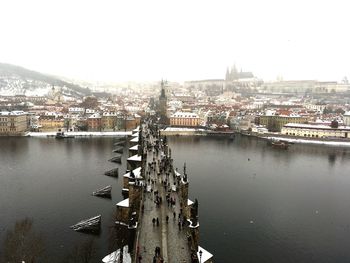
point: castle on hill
(233, 74)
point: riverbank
(302, 140)
(80, 134)
(177, 131)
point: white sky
(177, 40)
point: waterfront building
(81, 123)
(50, 123)
(346, 118)
(94, 122)
(184, 119)
(243, 123)
(127, 122)
(109, 121)
(274, 122)
(163, 105)
(132, 122)
(315, 131)
(13, 123)
(258, 129)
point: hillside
(15, 80)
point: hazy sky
(178, 40)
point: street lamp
(200, 256)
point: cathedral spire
(162, 92)
(227, 77)
(234, 72)
(163, 104)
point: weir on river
(156, 222)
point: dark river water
(256, 203)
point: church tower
(227, 77)
(234, 73)
(163, 104)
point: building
(184, 119)
(76, 110)
(305, 86)
(163, 105)
(13, 123)
(346, 118)
(94, 122)
(211, 87)
(50, 123)
(315, 131)
(132, 121)
(109, 121)
(82, 124)
(318, 107)
(127, 121)
(275, 122)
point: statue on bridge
(185, 174)
(194, 213)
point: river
(51, 182)
(256, 203)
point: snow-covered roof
(182, 129)
(76, 109)
(205, 255)
(270, 113)
(136, 158)
(316, 127)
(111, 114)
(136, 134)
(137, 129)
(124, 203)
(347, 113)
(12, 113)
(137, 173)
(189, 202)
(95, 116)
(180, 114)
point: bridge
(156, 222)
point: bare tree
(22, 243)
(83, 252)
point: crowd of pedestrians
(161, 182)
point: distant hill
(15, 80)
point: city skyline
(146, 41)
